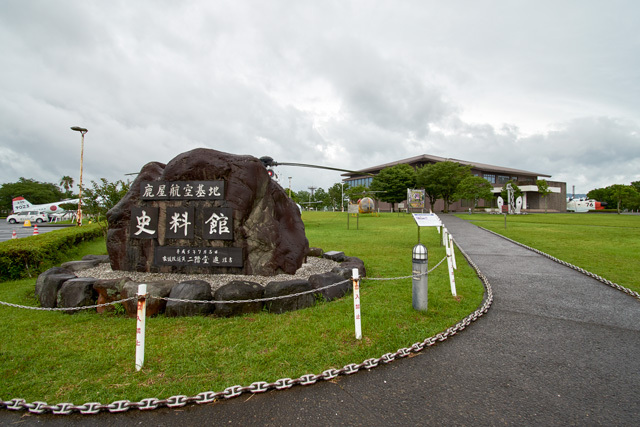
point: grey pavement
(556, 348)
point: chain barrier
(85, 307)
(413, 276)
(311, 291)
(91, 408)
(574, 267)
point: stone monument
(206, 212)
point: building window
(364, 182)
(490, 177)
(502, 179)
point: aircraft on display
(21, 204)
(583, 204)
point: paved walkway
(556, 348)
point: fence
(257, 387)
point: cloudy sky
(547, 86)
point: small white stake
(141, 320)
(356, 302)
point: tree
(623, 195)
(103, 196)
(426, 178)
(355, 193)
(619, 195)
(440, 181)
(34, 191)
(392, 183)
(544, 190)
(335, 194)
(301, 197)
(66, 182)
(474, 188)
(323, 197)
(602, 195)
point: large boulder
(288, 287)
(80, 265)
(77, 292)
(102, 259)
(238, 290)
(345, 268)
(266, 223)
(109, 290)
(49, 283)
(156, 290)
(194, 290)
(322, 280)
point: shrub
(29, 256)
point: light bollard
(140, 327)
(420, 285)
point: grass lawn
(605, 244)
(85, 357)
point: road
(6, 230)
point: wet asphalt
(555, 348)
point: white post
(142, 313)
(452, 279)
(453, 253)
(356, 302)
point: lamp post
(82, 132)
(420, 279)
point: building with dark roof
(496, 175)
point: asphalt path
(556, 348)
(6, 229)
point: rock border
(62, 287)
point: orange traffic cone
(35, 230)
(14, 235)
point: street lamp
(82, 132)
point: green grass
(56, 357)
(607, 245)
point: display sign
(191, 222)
(427, 220)
(415, 198)
(182, 190)
(198, 256)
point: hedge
(30, 256)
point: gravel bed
(313, 265)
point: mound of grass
(56, 357)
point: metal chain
(68, 308)
(406, 277)
(311, 291)
(261, 386)
(574, 267)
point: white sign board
(427, 220)
(353, 208)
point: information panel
(427, 220)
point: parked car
(32, 216)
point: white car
(32, 216)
